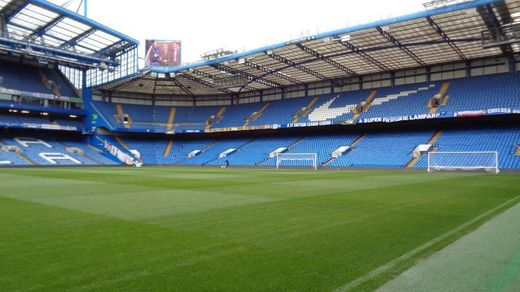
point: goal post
(468, 160)
(311, 158)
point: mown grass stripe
(390, 265)
(199, 229)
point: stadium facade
(384, 94)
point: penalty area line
(391, 264)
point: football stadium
(384, 156)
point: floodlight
(345, 38)
(472, 11)
(102, 66)
(329, 39)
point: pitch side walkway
(487, 259)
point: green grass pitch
(197, 229)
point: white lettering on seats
(52, 158)
(25, 142)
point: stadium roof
(448, 34)
(56, 31)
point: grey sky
(236, 24)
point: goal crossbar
(313, 157)
(463, 160)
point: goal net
(476, 160)
(301, 159)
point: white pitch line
(384, 268)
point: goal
(470, 160)
(310, 158)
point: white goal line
(296, 154)
(463, 152)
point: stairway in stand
(122, 143)
(294, 143)
(368, 104)
(168, 149)
(435, 137)
(254, 116)
(220, 115)
(412, 162)
(125, 146)
(27, 159)
(444, 98)
(432, 141)
(245, 144)
(301, 114)
(328, 161)
(289, 147)
(357, 141)
(209, 146)
(121, 113)
(171, 118)
(352, 146)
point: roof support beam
(272, 72)
(27, 28)
(296, 65)
(55, 37)
(493, 24)
(206, 83)
(128, 82)
(364, 55)
(155, 85)
(203, 74)
(394, 41)
(365, 50)
(182, 87)
(445, 37)
(213, 78)
(329, 61)
(53, 16)
(54, 53)
(115, 48)
(408, 45)
(45, 28)
(3, 26)
(505, 18)
(74, 41)
(503, 12)
(375, 49)
(12, 9)
(234, 71)
(491, 21)
(69, 14)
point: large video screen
(163, 53)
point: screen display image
(163, 53)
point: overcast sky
(236, 24)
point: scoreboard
(162, 53)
